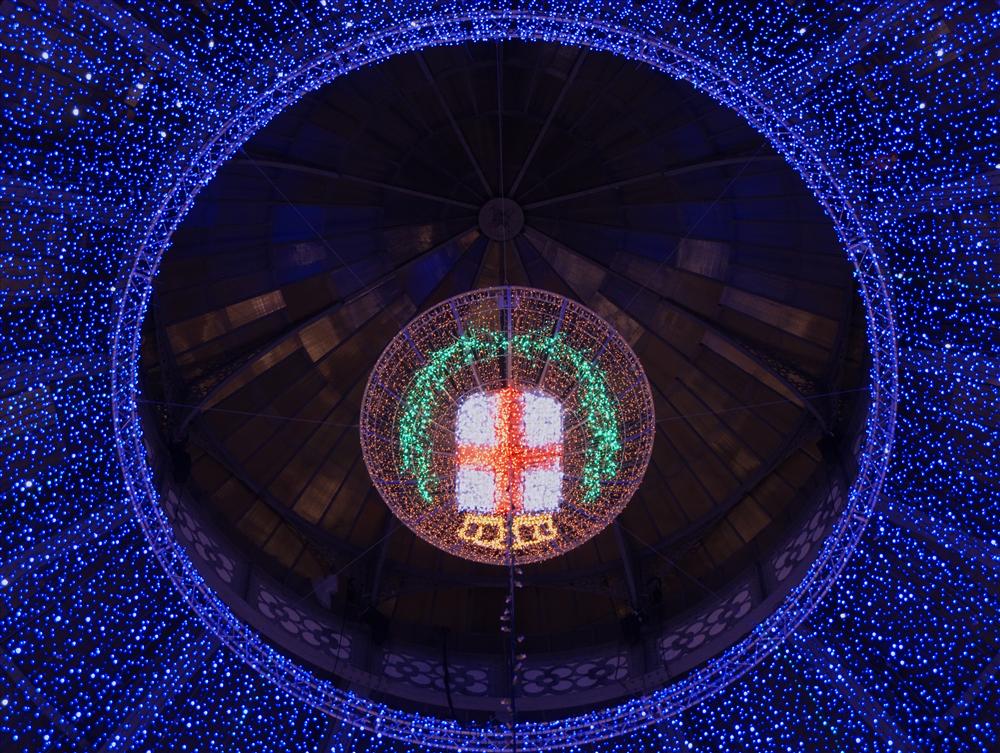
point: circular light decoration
(507, 424)
(688, 50)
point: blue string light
(115, 116)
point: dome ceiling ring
(426, 31)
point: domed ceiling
(435, 173)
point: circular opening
(704, 680)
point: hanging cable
(500, 176)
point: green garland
(429, 385)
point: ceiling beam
(293, 331)
(379, 566)
(669, 172)
(214, 448)
(336, 175)
(769, 364)
(791, 445)
(422, 62)
(788, 447)
(599, 101)
(658, 336)
(526, 162)
(626, 555)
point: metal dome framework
(612, 722)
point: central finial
(501, 219)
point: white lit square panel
(476, 420)
(508, 452)
(542, 490)
(476, 490)
(542, 420)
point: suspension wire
(510, 611)
(511, 614)
(508, 621)
(500, 181)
